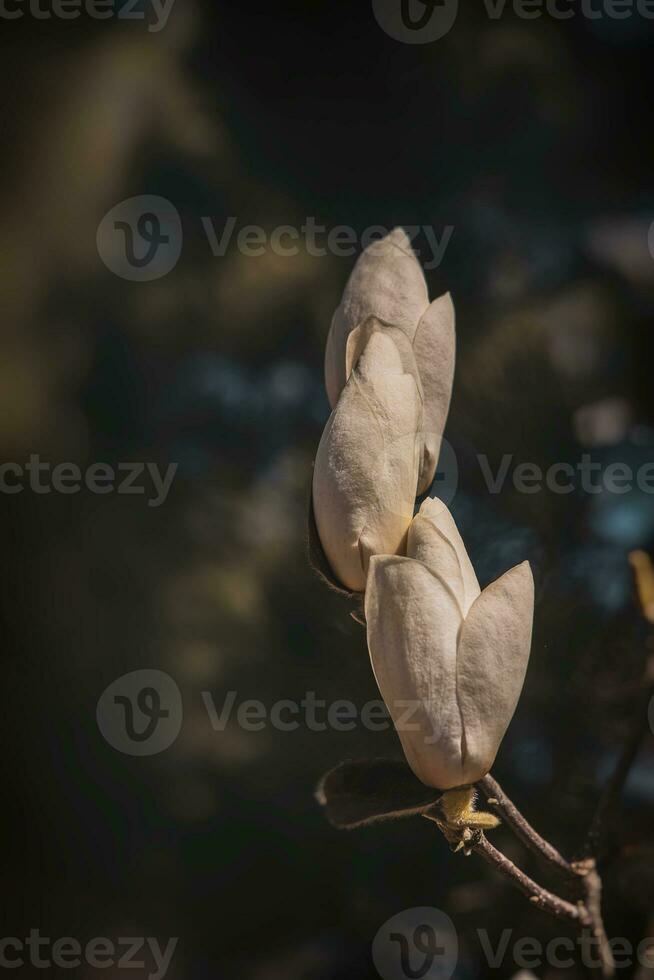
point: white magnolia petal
(387, 282)
(435, 540)
(366, 469)
(492, 662)
(413, 622)
(358, 339)
(380, 356)
(434, 347)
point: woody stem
(538, 896)
(582, 875)
(500, 803)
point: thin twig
(582, 874)
(503, 806)
(591, 884)
(596, 841)
(538, 896)
(600, 826)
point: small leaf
(359, 793)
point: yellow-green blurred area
(532, 140)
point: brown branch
(538, 896)
(604, 814)
(508, 811)
(582, 874)
(591, 884)
(596, 840)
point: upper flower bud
(366, 470)
(387, 287)
(456, 655)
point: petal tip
(399, 237)
(432, 507)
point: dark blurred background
(533, 140)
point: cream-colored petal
(358, 339)
(380, 357)
(413, 622)
(388, 283)
(494, 649)
(435, 540)
(366, 468)
(434, 347)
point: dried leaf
(359, 793)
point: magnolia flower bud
(366, 470)
(449, 660)
(387, 286)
